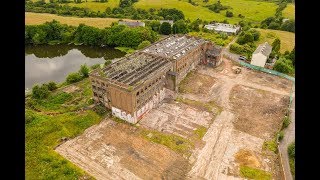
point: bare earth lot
(251, 105)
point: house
(225, 28)
(168, 21)
(261, 54)
(132, 23)
(133, 85)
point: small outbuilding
(261, 54)
(132, 23)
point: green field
(255, 11)
(97, 6)
(49, 120)
(287, 38)
(289, 11)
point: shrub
(84, 71)
(95, 66)
(74, 77)
(29, 116)
(40, 92)
(229, 14)
(280, 135)
(107, 62)
(291, 150)
(253, 173)
(144, 44)
(286, 122)
(52, 86)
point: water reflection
(54, 63)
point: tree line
(124, 10)
(118, 35)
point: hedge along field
(287, 38)
(96, 6)
(252, 10)
(289, 11)
(40, 18)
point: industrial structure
(133, 85)
(224, 28)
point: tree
(144, 44)
(40, 92)
(165, 28)
(125, 3)
(174, 13)
(229, 14)
(284, 65)
(288, 25)
(274, 25)
(155, 25)
(52, 86)
(84, 71)
(256, 34)
(245, 37)
(180, 27)
(276, 45)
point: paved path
(289, 137)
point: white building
(221, 27)
(132, 23)
(261, 54)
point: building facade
(137, 83)
(261, 55)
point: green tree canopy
(165, 28)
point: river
(44, 63)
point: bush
(286, 122)
(284, 66)
(245, 37)
(40, 92)
(74, 77)
(52, 86)
(288, 26)
(144, 44)
(280, 135)
(292, 150)
(229, 14)
(107, 62)
(84, 71)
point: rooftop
(132, 23)
(174, 46)
(264, 49)
(223, 27)
(133, 70)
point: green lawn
(287, 38)
(289, 11)
(58, 117)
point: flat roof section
(174, 46)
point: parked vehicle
(242, 58)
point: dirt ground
(176, 118)
(112, 150)
(196, 83)
(251, 110)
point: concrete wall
(258, 60)
(136, 116)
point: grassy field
(40, 18)
(49, 120)
(287, 38)
(289, 11)
(252, 10)
(255, 11)
(97, 6)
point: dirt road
(289, 137)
